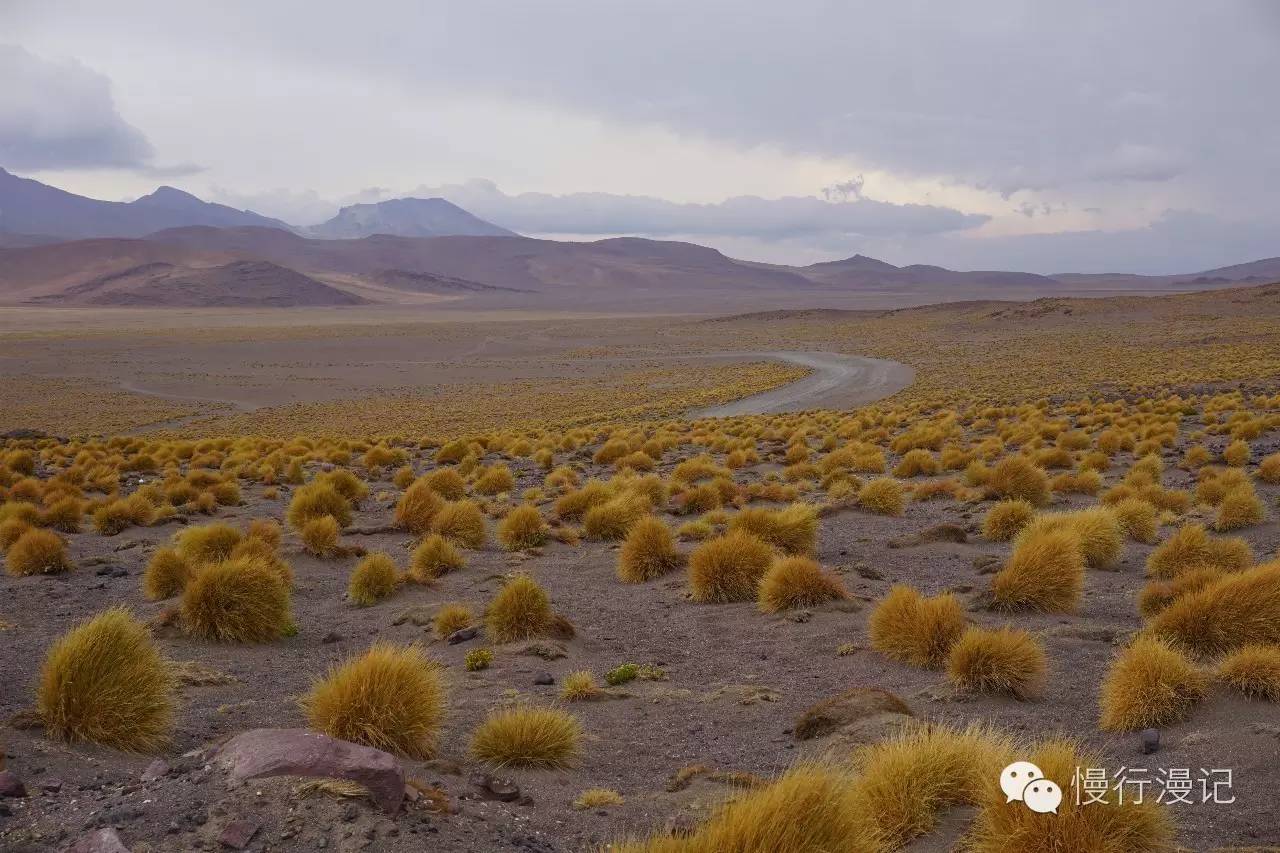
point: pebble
(544, 678)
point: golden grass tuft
(1190, 546)
(450, 618)
(1253, 670)
(1096, 529)
(37, 552)
(1159, 594)
(1006, 519)
(105, 682)
(497, 479)
(1137, 518)
(792, 530)
(11, 529)
(1240, 507)
(597, 798)
(1150, 684)
(374, 578)
(461, 522)
(519, 611)
(527, 736)
(916, 630)
(522, 528)
(612, 520)
(648, 552)
(728, 568)
(435, 556)
(243, 600)
(1044, 573)
(207, 543)
(999, 660)
(316, 500)
(1238, 609)
(579, 686)
(320, 536)
(166, 575)
(1018, 477)
(417, 507)
(797, 582)
(883, 496)
(391, 698)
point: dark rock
(462, 635)
(543, 678)
(299, 752)
(155, 770)
(332, 637)
(99, 841)
(11, 785)
(1150, 741)
(494, 788)
(238, 834)
(51, 786)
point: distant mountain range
(172, 249)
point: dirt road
(837, 382)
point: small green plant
(622, 674)
(478, 659)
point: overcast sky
(1141, 135)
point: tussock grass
(612, 520)
(916, 630)
(792, 530)
(11, 529)
(37, 552)
(1019, 478)
(450, 618)
(391, 697)
(417, 507)
(579, 686)
(1253, 670)
(374, 578)
(883, 496)
(1006, 519)
(1239, 609)
(520, 610)
(728, 568)
(1000, 660)
(242, 600)
(522, 528)
(527, 736)
(1157, 594)
(1045, 573)
(316, 500)
(166, 575)
(648, 552)
(1240, 507)
(1191, 546)
(1150, 684)
(1097, 530)
(104, 682)
(794, 582)
(434, 557)
(320, 536)
(461, 522)
(1137, 519)
(447, 483)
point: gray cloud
(58, 115)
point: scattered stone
(544, 678)
(419, 616)
(299, 752)
(546, 651)
(851, 708)
(865, 571)
(800, 616)
(463, 634)
(155, 770)
(332, 637)
(99, 841)
(494, 788)
(11, 785)
(1150, 741)
(238, 834)
(986, 564)
(52, 786)
(744, 694)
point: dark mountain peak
(167, 196)
(857, 263)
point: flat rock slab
(300, 752)
(99, 841)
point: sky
(1141, 136)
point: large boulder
(301, 752)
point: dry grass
(1000, 660)
(37, 552)
(316, 500)
(461, 522)
(451, 618)
(1137, 518)
(1018, 478)
(1240, 507)
(883, 496)
(728, 568)
(648, 552)
(1006, 519)
(207, 543)
(1253, 670)
(612, 519)
(374, 579)
(916, 630)
(1097, 530)
(1239, 609)
(522, 528)
(1045, 573)
(1191, 547)
(105, 682)
(435, 556)
(527, 736)
(1150, 684)
(417, 507)
(166, 575)
(597, 798)
(391, 698)
(519, 611)
(579, 686)
(794, 582)
(238, 601)
(792, 530)
(320, 536)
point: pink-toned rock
(11, 785)
(99, 841)
(301, 752)
(238, 834)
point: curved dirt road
(837, 382)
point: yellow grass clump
(1238, 609)
(497, 479)
(1150, 684)
(242, 600)
(916, 630)
(1254, 670)
(1019, 477)
(797, 582)
(648, 552)
(612, 519)
(206, 543)
(461, 522)
(11, 529)
(105, 682)
(578, 686)
(522, 528)
(391, 698)
(728, 568)
(1137, 518)
(374, 578)
(597, 798)
(1096, 530)
(1045, 573)
(417, 507)
(435, 556)
(519, 611)
(1269, 469)
(64, 514)
(792, 530)
(37, 552)
(316, 500)
(1191, 547)
(447, 483)
(882, 496)
(1000, 660)
(166, 575)
(320, 536)
(450, 618)
(527, 736)
(1159, 594)
(1006, 519)
(1240, 507)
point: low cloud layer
(61, 115)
